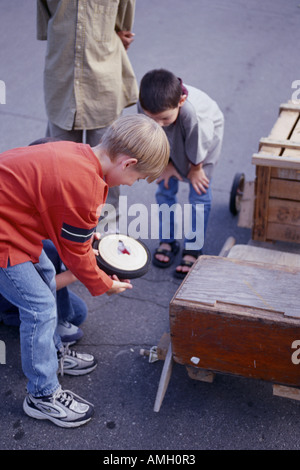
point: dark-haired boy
(194, 126)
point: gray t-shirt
(196, 135)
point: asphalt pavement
(244, 54)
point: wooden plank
(283, 141)
(224, 280)
(283, 232)
(290, 106)
(286, 144)
(295, 137)
(164, 379)
(260, 217)
(285, 173)
(284, 212)
(286, 392)
(235, 344)
(262, 159)
(282, 129)
(230, 241)
(283, 126)
(284, 189)
(265, 255)
(247, 206)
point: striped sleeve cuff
(76, 234)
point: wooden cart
(239, 313)
(270, 205)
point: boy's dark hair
(159, 90)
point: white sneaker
(74, 363)
(63, 408)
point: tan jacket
(88, 78)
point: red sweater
(52, 191)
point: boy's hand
(198, 179)
(96, 236)
(169, 172)
(126, 37)
(119, 286)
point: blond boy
(56, 191)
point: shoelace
(66, 397)
(63, 396)
(64, 351)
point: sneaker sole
(79, 371)
(42, 416)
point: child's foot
(164, 255)
(186, 263)
(74, 363)
(63, 408)
(68, 332)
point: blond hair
(140, 137)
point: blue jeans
(31, 287)
(200, 210)
(70, 307)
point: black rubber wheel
(236, 193)
(127, 273)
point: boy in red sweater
(56, 191)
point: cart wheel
(236, 193)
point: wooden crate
(277, 184)
(238, 317)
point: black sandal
(185, 263)
(169, 253)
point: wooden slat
(247, 206)
(287, 144)
(164, 380)
(285, 173)
(290, 107)
(260, 218)
(284, 189)
(265, 255)
(286, 392)
(284, 140)
(283, 126)
(272, 160)
(295, 137)
(229, 243)
(283, 232)
(284, 212)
